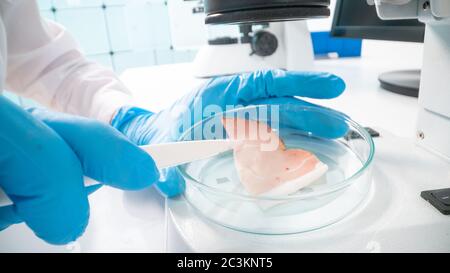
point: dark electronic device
(440, 199)
(357, 19)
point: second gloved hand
(43, 158)
(261, 87)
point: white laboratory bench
(393, 219)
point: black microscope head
(263, 11)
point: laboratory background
(121, 34)
(393, 160)
(136, 33)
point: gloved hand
(261, 87)
(43, 158)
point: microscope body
(284, 45)
(433, 123)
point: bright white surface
(399, 220)
(364, 101)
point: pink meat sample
(264, 165)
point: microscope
(272, 35)
(433, 123)
(285, 43)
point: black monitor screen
(357, 19)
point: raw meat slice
(270, 172)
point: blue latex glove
(261, 87)
(43, 158)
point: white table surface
(136, 221)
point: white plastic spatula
(177, 153)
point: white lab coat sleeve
(44, 63)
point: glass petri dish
(214, 190)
